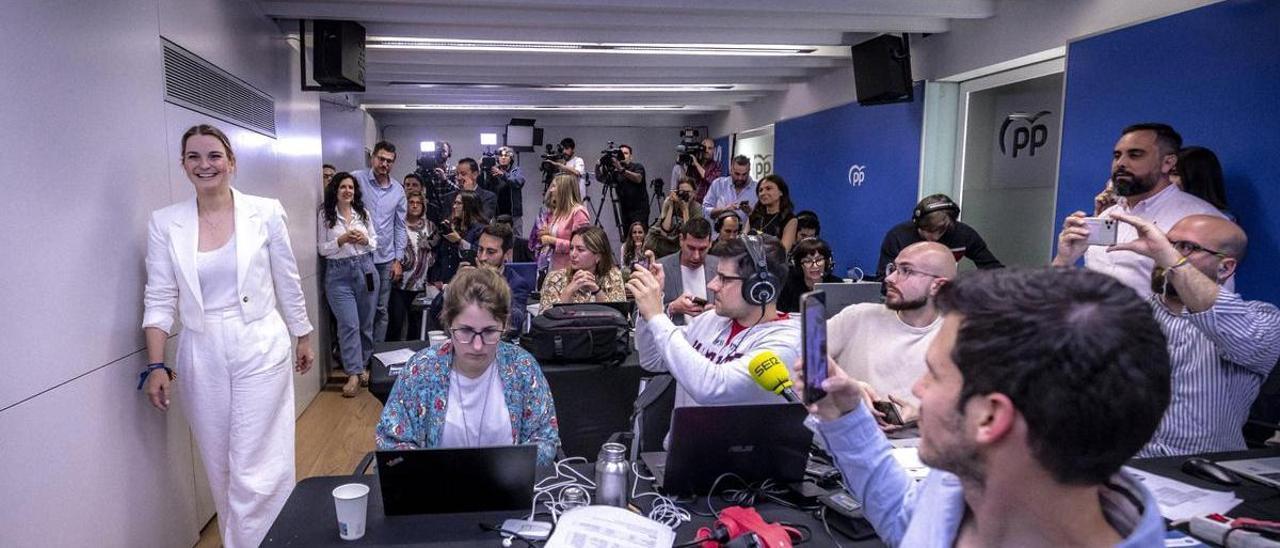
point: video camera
(430, 168)
(610, 164)
(690, 147)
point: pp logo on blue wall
(857, 175)
(1027, 136)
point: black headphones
(944, 204)
(761, 287)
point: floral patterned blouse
(415, 412)
(612, 289)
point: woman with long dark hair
(591, 275)
(774, 214)
(811, 264)
(1199, 174)
(633, 246)
(458, 235)
(346, 239)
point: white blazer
(265, 267)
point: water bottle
(612, 472)
(572, 497)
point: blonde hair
(482, 287)
(206, 129)
(567, 196)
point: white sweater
(710, 369)
(873, 345)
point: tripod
(609, 194)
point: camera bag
(579, 334)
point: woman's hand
(547, 239)
(359, 237)
(344, 238)
(453, 237)
(158, 387)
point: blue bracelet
(142, 378)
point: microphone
(771, 374)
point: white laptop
(1264, 470)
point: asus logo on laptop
(742, 448)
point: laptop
(756, 442)
(841, 295)
(1263, 470)
(455, 480)
(528, 271)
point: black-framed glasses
(905, 271)
(820, 261)
(726, 278)
(1187, 248)
(466, 335)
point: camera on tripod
(611, 159)
(690, 147)
(488, 159)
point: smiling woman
(219, 262)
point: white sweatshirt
(709, 367)
(873, 345)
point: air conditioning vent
(192, 82)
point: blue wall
(1214, 74)
(814, 154)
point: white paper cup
(352, 503)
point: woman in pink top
(567, 214)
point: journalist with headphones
(812, 263)
(709, 356)
(936, 219)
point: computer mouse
(1208, 470)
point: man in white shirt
(736, 192)
(1140, 166)
(573, 165)
(883, 345)
(696, 271)
(709, 356)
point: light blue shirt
(929, 513)
(387, 208)
(722, 194)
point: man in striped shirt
(1221, 347)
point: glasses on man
(725, 278)
(905, 271)
(466, 335)
(1187, 248)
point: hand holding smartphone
(813, 320)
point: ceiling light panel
(759, 50)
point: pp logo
(857, 174)
(1028, 136)
(763, 165)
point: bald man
(883, 345)
(1221, 347)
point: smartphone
(699, 301)
(1102, 231)
(744, 204)
(641, 264)
(368, 281)
(891, 414)
(813, 322)
(467, 256)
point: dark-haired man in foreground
(1040, 385)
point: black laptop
(756, 442)
(454, 480)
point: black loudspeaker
(882, 70)
(339, 55)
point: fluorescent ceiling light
(427, 146)
(625, 88)
(488, 139)
(442, 44)
(393, 106)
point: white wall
(346, 133)
(91, 149)
(1019, 28)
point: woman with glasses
(811, 264)
(472, 390)
(591, 276)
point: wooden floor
(333, 434)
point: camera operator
(571, 164)
(701, 166)
(467, 172)
(505, 179)
(627, 176)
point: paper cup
(352, 503)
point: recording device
(430, 172)
(368, 281)
(445, 226)
(1102, 230)
(641, 264)
(813, 320)
(699, 301)
(890, 411)
(488, 159)
(467, 255)
(554, 153)
(610, 163)
(690, 147)
(684, 195)
(771, 374)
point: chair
(1264, 415)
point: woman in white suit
(219, 263)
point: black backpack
(579, 334)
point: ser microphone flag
(771, 374)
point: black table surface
(1259, 501)
(309, 519)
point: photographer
(573, 165)
(468, 171)
(677, 209)
(701, 166)
(459, 235)
(505, 179)
(627, 177)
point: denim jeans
(384, 295)
(352, 303)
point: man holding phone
(735, 192)
(686, 295)
(1040, 385)
(883, 345)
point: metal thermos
(612, 472)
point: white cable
(664, 510)
(564, 478)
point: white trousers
(236, 387)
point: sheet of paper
(609, 527)
(1180, 501)
(909, 459)
(395, 357)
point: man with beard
(883, 345)
(1221, 346)
(1140, 166)
(1041, 384)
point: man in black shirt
(934, 219)
(633, 196)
